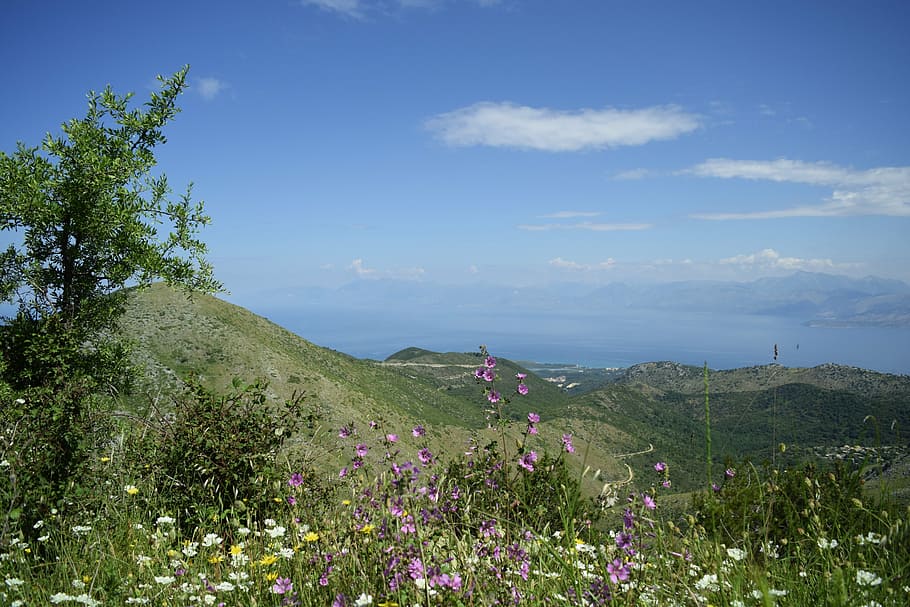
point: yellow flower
(345, 502)
(268, 560)
(388, 604)
(86, 579)
(235, 550)
(105, 459)
(272, 576)
(368, 528)
(311, 536)
(131, 489)
(215, 559)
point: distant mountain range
(813, 298)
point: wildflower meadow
(504, 522)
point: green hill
(649, 412)
(176, 335)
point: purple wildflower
(619, 572)
(345, 431)
(392, 438)
(522, 389)
(624, 540)
(324, 578)
(296, 480)
(729, 473)
(374, 424)
(489, 362)
(527, 461)
(488, 529)
(567, 443)
(533, 418)
(415, 569)
(715, 487)
(292, 501)
(340, 601)
(283, 585)
(488, 375)
(665, 484)
(418, 431)
(532, 429)
(343, 472)
(425, 456)
(520, 376)
(494, 396)
(650, 504)
(408, 525)
(660, 466)
(478, 374)
(360, 449)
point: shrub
(778, 506)
(219, 453)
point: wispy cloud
(523, 127)
(587, 225)
(209, 88)
(360, 9)
(566, 264)
(570, 214)
(359, 268)
(633, 174)
(769, 259)
(878, 191)
(349, 8)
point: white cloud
(358, 9)
(878, 191)
(523, 127)
(633, 174)
(587, 225)
(570, 214)
(565, 264)
(359, 269)
(769, 259)
(357, 266)
(209, 88)
(350, 8)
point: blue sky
(472, 141)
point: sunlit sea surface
(724, 342)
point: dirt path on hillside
(625, 455)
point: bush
(547, 498)
(48, 435)
(219, 454)
(777, 506)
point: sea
(615, 341)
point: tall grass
(397, 525)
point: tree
(92, 219)
(88, 218)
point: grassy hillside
(176, 335)
(755, 411)
(650, 412)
